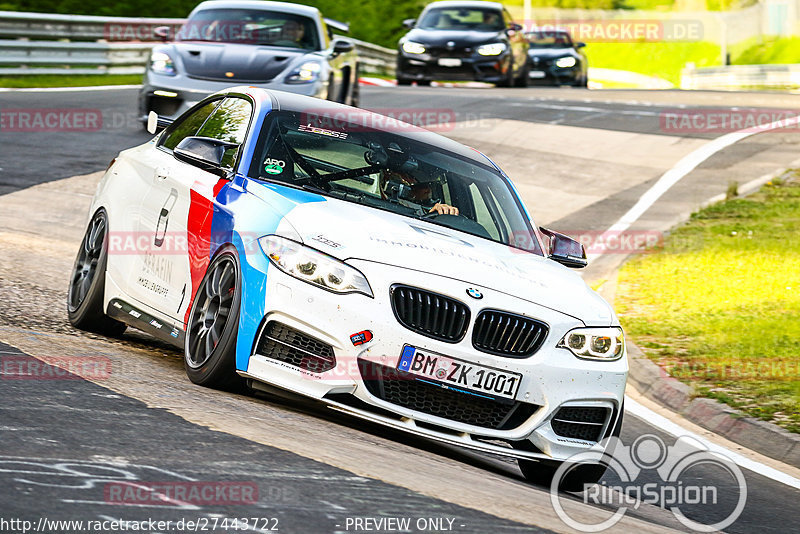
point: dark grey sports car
(555, 59)
(274, 45)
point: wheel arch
(252, 266)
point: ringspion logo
(651, 472)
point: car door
(193, 212)
(337, 91)
(230, 123)
(155, 199)
(336, 61)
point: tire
(423, 83)
(541, 472)
(355, 90)
(524, 76)
(88, 282)
(403, 81)
(331, 88)
(210, 343)
(509, 81)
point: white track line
(686, 165)
(65, 89)
(673, 428)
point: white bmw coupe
(385, 270)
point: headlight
(314, 267)
(410, 47)
(492, 49)
(595, 343)
(305, 73)
(566, 62)
(161, 63)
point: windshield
(545, 39)
(462, 19)
(391, 172)
(251, 26)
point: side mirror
(155, 123)
(204, 152)
(514, 27)
(580, 44)
(565, 250)
(162, 32)
(342, 46)
(409, 23)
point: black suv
(555, 59)
(454, 40)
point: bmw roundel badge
(474, 293)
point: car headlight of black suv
(412, 47)
(566, 62)
(492, 49)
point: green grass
(649, 5)
(664, 60)
(719, 305)
(39, 80)
(769, 50)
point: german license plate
(536, 74)
(458, 375)
(449, 62)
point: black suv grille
(284, 343)
(507, 334)
(402, 389)
(579, 422)
(430, 314)
(541, 62)
(441, 51)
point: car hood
(248, 63)
(350, 231)
(460, 38)
(545, 53)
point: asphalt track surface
(91, 436)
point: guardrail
(374, 58)
(738, 77)
(84, 44)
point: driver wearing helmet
(414, 191)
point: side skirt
(141, 320)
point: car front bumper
(554, 75)
(552, 378)
(426, 67)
